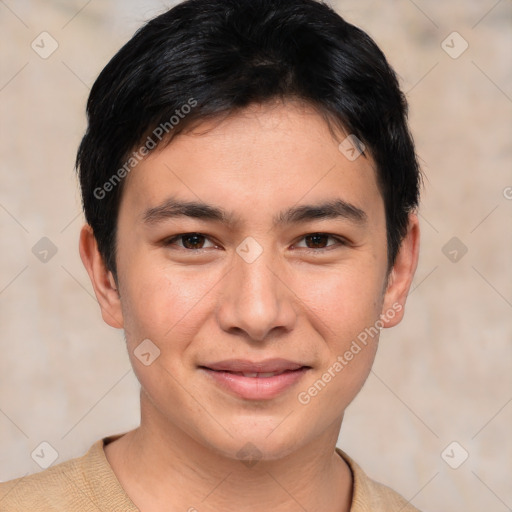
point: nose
(256, 301)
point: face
(252, 254)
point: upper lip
(245, 365)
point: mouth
(252, 375)
(251, 380)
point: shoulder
(52, 489)
(369, 495)
(81, 484)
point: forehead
(257, 159)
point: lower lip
(256, 388)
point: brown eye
(317, 241)
(193, 241)
(320, 241)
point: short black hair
(205, 59)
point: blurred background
(434, 419)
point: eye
(192, 241)
(315, 241)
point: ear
(401, 275)
(102, 279)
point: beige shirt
(88, 483)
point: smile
(243, 383)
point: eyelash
(340, 242)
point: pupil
(196, 240)
(317, 239)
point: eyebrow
(333, 209)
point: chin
(253, 443)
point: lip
(229, 376)
(245, 365)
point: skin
(209, 305)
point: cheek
(344, 310)
(163, 304)
(161, 307)
(343, 302)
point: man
(249, 184)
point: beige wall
(443, 375)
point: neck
(162, 467)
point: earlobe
(101, 278)
(401, 275)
